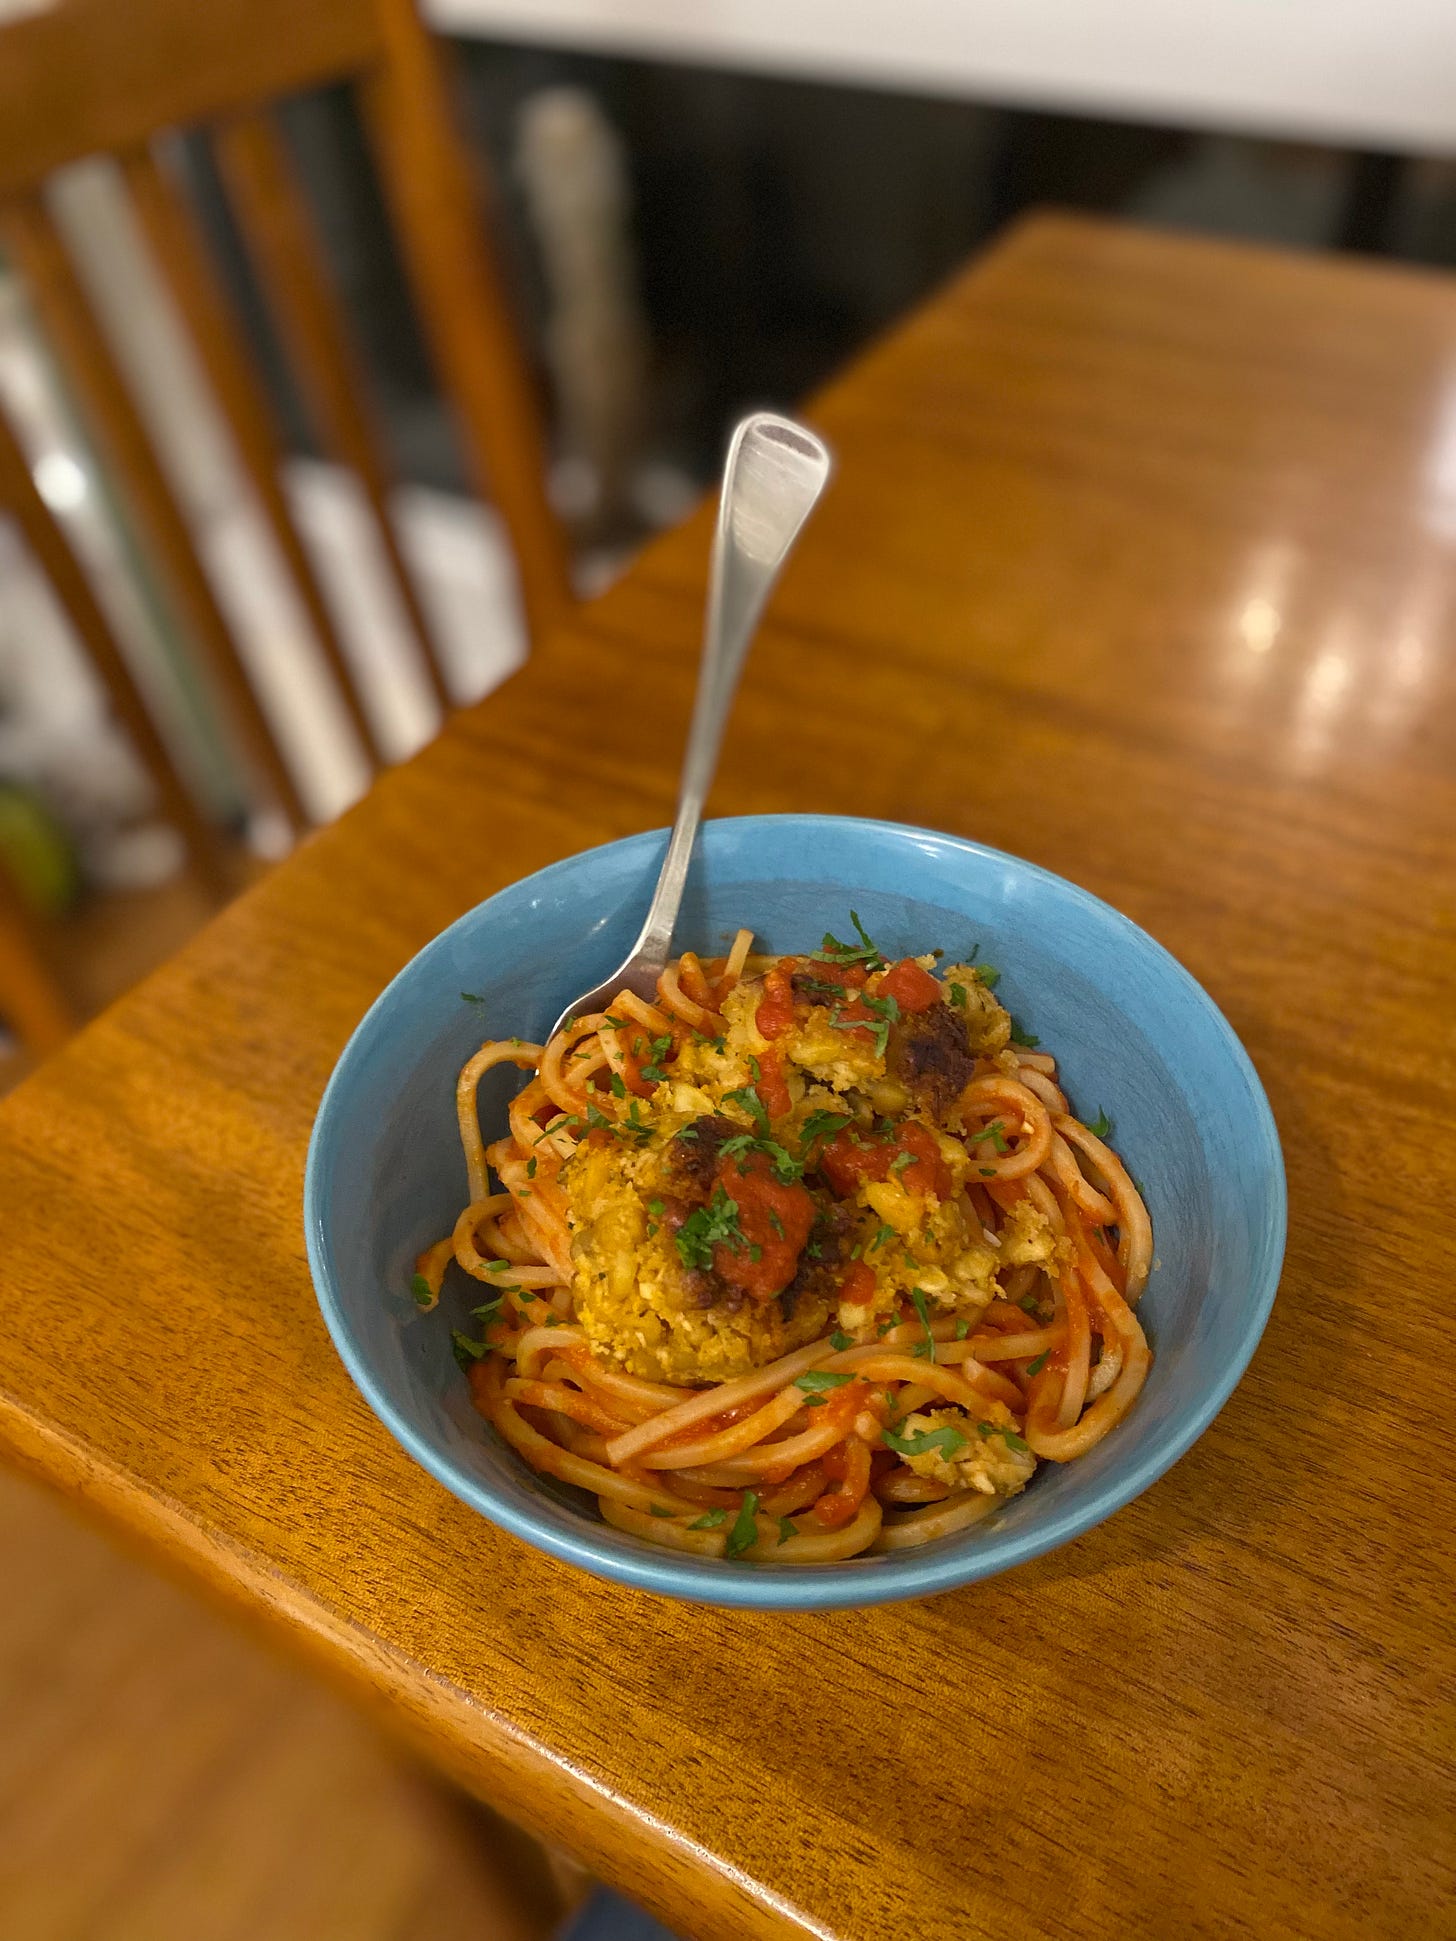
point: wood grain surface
(1139, 562)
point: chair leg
(32, 1002)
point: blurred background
(261, 339)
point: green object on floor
(36, 852)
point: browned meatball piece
(930, 1055)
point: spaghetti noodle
(806, 1258)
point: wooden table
(1139, 563)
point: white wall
(1372, 73)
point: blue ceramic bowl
(1132, 1032)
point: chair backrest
(108, 77)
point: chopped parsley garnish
(752, 1104)
(470, 997)
(710, 1226)
(957, 996)
(963, 1328)
(755, 1068)
(710, 1520)
(495, 1266)
(901, 1160)
(1031, 1304)
(660, 1509)
(618, 1085)
(815, 1380)
(562, 1124)
(1101, 1126)
(466, 1350)
(776, 1223)
(1008, 1436)
(995, 1132)
(988, 1172)
(1138, 1187)
(819, 1125)
(657, 1208)
(745, 1527)
(421, 1289)
(988, 975)
(883, 1238)
(787, 1528)
(927, 1346)
(489, 1311)
(1035, 1367)
(531, 1167)
(786, 1168)
(947, 1441)
(1020, 1037)
(832, 951)
(839, 1339)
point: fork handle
(773, 476)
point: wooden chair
(89, 77)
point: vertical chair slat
(30, 238)
(285, 249)
(436, 191)
(48, 547)
(32, 1002)
(180, 254)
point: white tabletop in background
(1368, 73)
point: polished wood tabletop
(1139, 562)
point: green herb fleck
(708, 1227)
(710, 1520)
(832, 951)
(820, 1125)
(466, 1350)
(421, 1289)
(1101, 1126)
(752, 1104)
(840, 1340)
(815, 1380)
(1020, 1037)
(787, 1528)
(618, 1085)
(901, 1161)
(470, 997)
(883, 1238)
(1035, 1367)
(995, 1132)
(660, 1509)
(957, 995)
(927, 1346)
(745, 1528)
(963, 1328)
(926, 1442)
(531, 1167)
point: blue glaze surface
(1132, 1032)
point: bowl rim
(902, 1574)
